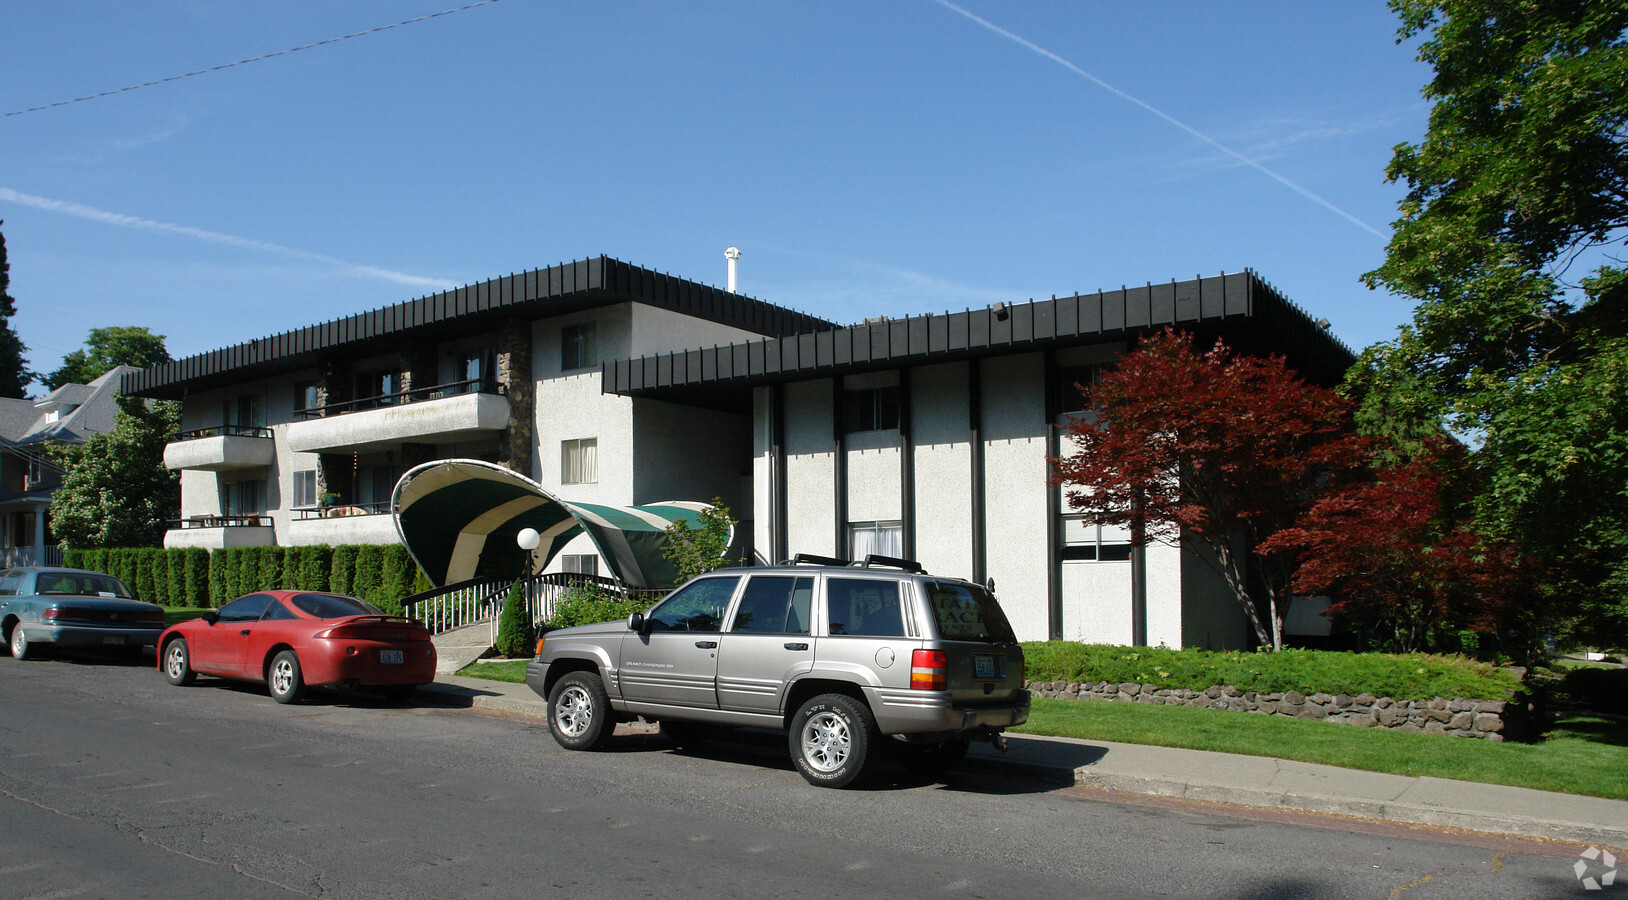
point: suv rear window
(968, 613)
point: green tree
(117, 345)
(1521, 178)
(14, 374)
(117, 491)
(699, 550)
(514, 633)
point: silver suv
(841, 656)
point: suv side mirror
(636, 623)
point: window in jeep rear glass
(863, 606)
(967, 613)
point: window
(244, 609)
(697, 607)
(577, 350)
(1086, 540)
(377, 386)
(579, 461)
(863, 606)
(774, 604)
(332, 606)
(305, 488)
(243, 498)
(1069, 381)
(307, 395)
(244, 412)
(967, 612)
(9, 582)
(580, 563)
(880, 538)
(476, 367)
(871, 409)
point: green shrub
(365, 580)
(585, 603)
(1412, 676)
(514, 631)
(217, 579)
(342, 570)
(195, 576)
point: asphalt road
(115, 784)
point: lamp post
(528, 540)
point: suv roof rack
(909, 565)
(815, 559)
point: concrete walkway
(1254, 781)
(461, 646)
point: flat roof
(1241, 308)
(556, 290)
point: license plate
(112, 639)
(390, 657)
(986, 667)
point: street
(115, 784)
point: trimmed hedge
(381, 575)
(1413, 676)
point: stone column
(514, 378)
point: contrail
(112, 218)
(1024, 42)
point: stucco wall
(940, 424)
(1016, 479)
(810, 469)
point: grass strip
(510, 670)
(1582, 754)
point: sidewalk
(1230, 778)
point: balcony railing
(214, 521)
(341, 510)
(255, 431)
(416, 395)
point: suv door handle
(795, 646)
(706, 645)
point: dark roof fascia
(1241, 308)
(567, 287)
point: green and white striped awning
(451, 512)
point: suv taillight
(929, 670)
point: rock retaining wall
(1490, 720)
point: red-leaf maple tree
(1213, 450)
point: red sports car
(294, 639)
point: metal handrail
(481, 599)
(255, 431)
(340, 510)
(252, 520)
(416, 395)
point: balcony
(220, 532)
(443, 414)
(221, 449)
(359, 523)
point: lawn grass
(173, 614)
(510, 670)
(1582, 754)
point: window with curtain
(880, 538)
(579, 461)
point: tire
(831, 740)
(579, 713)
(283, 678)
(20, 647)
(932, 759)
(178, 663)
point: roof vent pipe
(733, 255)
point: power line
(243, 62)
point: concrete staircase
(461, 646)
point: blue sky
(867, 158)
